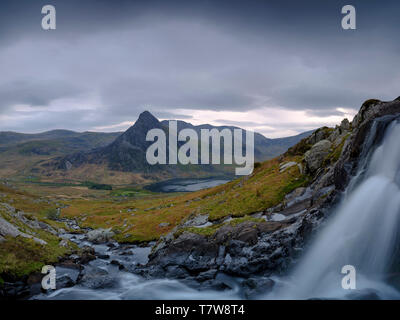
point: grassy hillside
(22, 255)
(22, 154)
(147, 216)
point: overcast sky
(276, 67)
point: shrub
(52, 214)
(98, 186)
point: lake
(187, 185)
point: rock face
(261, 248)
(315, 157)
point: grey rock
(96, 278)
(8, 229)
(196, 221)
(283, 167)
(100, 235)
(207, 275)
(254, 287)
(64, 282)
(63, 243)
(316, 155)
(163, 224)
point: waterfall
(362, 232)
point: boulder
(345, 125)
(100, 235)
(64, 282)
(96, 278)
(318, 135)
(316, 155)
(87, 255)
(196, 221)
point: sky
(275, 67)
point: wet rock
(126, 253)
(217, 285)
(176, 272)
(207, 275)
(87, 255)
(103, 256)
(118, 264)
(365, 294)
(64, 282)
(254, 287)
(16, 290)
(96, 278)
(71, 263)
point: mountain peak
(146, 117)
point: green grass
(206, 231)
(336, 152)
(20, 256)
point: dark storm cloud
(31, 93)
(122, 57)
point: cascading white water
(363, 232)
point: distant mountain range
(54, 142)
(128, 152)
(61, 151)
(264, 148)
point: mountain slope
(19, 152)
(54, 142)
(264, 148)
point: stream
(105, 280)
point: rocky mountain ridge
(128, 152)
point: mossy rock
(370, 102)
